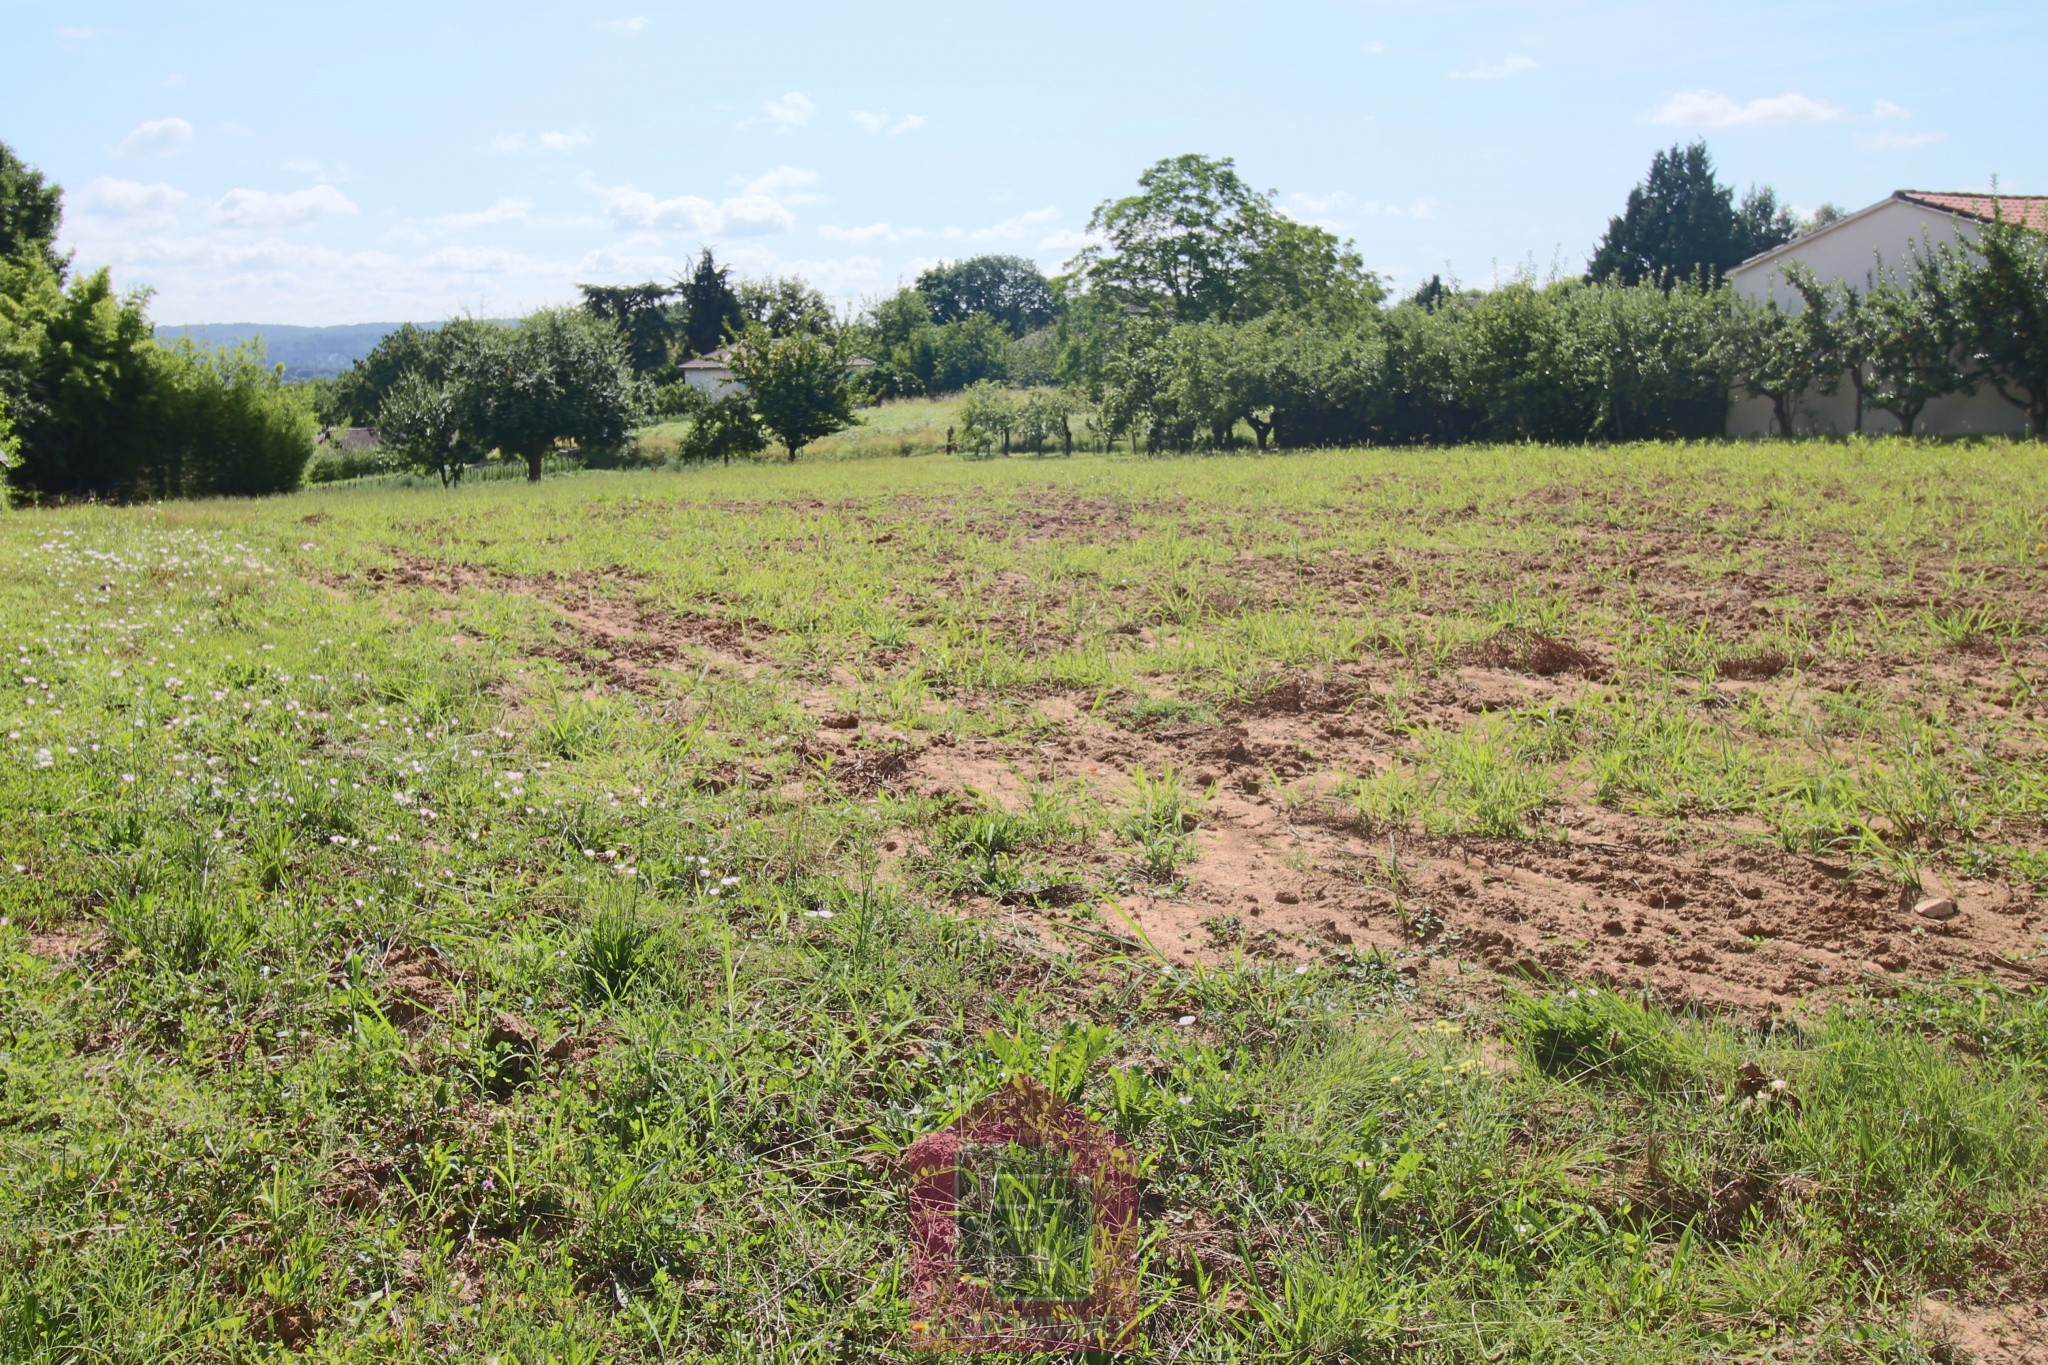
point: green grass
(389, 973)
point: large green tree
(798, 384)
(76, 359)
(358, 394)
(1682, 224)
(561, 376)
(783, 305)
(30, 211)
(641, 313)
(1198, 244)
(1011, 290)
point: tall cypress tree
(1682, 223)
(713, 308)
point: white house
(1853, 249)
(712, 372)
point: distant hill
(305, 352)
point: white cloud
(507, 210)
(882, 121)
(1013, 229)
(507, 144)
(129, 198)
(314, 170)
(1067, 241)
(873, 232)
(1895, 142)
(267, 209)
(790, 111)
(158, 137)
(1500, 70)
(790, 184)
(1317, 203)
(741, 215)
(1374, 49)
(68, 36)
(1886, 109)
(175, 81)
(633, 25)
(1712, 109)
(233, 128)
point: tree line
(91, 406)
(1200, 312)
(1204, 311)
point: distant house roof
(721, 358)
(350, 438)
(2028, 210)
(714, 360)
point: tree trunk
(1260, 429)
(1907, 417)
(1781, 408)
(792, 453)
(1856, 383)
(533, 460)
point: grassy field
(904, 426)
(1488, 889)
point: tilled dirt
(1704, 912)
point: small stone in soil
(1936, 908)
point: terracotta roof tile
(2030, 210)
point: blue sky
(369, 161)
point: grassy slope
(295, 841)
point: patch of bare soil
(618, 639)
(61, 946)
(1281, 866)
(2008, 1334)
(418, 987)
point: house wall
(713, 382)
(1851, 251)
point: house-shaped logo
(1024, 1220)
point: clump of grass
(1586, 1032)
(1160, 819)
(1484, 783)
(183, 934)
(615, 954)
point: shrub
(219, 422)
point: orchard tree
(988, 415)
(1833, 323)
(560, 376)
(1772, 352)
(1995, 298)
(30, 211)
(1681, 225)
(1909, 355)
(421, 419)
(1008, 289)
(710, 307)
(723, 427)
(798, 384)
